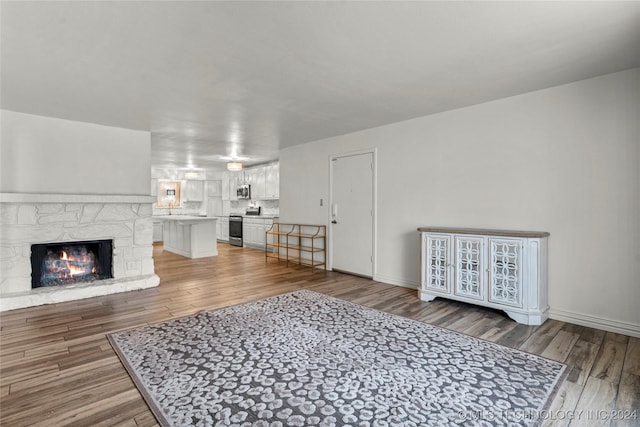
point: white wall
(563, 160)
(48, 155)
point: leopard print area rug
(307, 359)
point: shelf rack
(303, 244)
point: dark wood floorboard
(57, 367)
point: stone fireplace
(56, 248)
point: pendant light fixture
(234, 166)
(191, 175)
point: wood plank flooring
(57, 367)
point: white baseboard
(396, 281)
(616, 326)
(596, 322)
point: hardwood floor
(57, 367)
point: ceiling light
(191, 175)
(234, 166)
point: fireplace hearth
(56, 264)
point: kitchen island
(189, 236)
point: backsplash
(187, 208)
(269, 207)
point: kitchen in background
(201, 192)
(178, 191)
(269, 208)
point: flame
(70, 264)
(73, 270)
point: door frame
(374, 219)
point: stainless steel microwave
(244, 191)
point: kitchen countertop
(185, 218)
(257, 216)
(198, 218)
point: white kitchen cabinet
(260, 236)
(247, 233)
(248, 177)
(190, 236)
(255, 177)
(501, 269)
(224, 187)
(193, 191)
(268, 223)
(253, 234)
(157, 231)
(235, 179)
(272, 181)
(223, 228)
(214, 206)
(214, 188)
(264, 181)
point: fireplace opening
(55, 264)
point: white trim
(610, 325)
(374, 154)
(73, 198)
(405, 283)
(561, 315)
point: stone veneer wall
(26, 219)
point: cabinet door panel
(233, 185)
(260, 235)
(469, 267)
(194, 191)
(272, 181)
(258, 183)
(224, 188)
(437, 263)
(224, 229)
(505, 271)
(247, 233)
(254, 234)
(214, 188)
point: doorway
(352, 212)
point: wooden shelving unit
(303, 244)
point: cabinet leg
(425, 296)
(528, 319)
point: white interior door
(352, 210)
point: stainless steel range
(235, 230)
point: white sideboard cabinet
(502, 269)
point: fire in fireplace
(55, 264)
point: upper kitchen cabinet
(194, 191)
(272, 181)
(264, 181)
(255, 177)
(235, 179)
(224, 190)
(214, 188)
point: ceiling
(219, 80)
